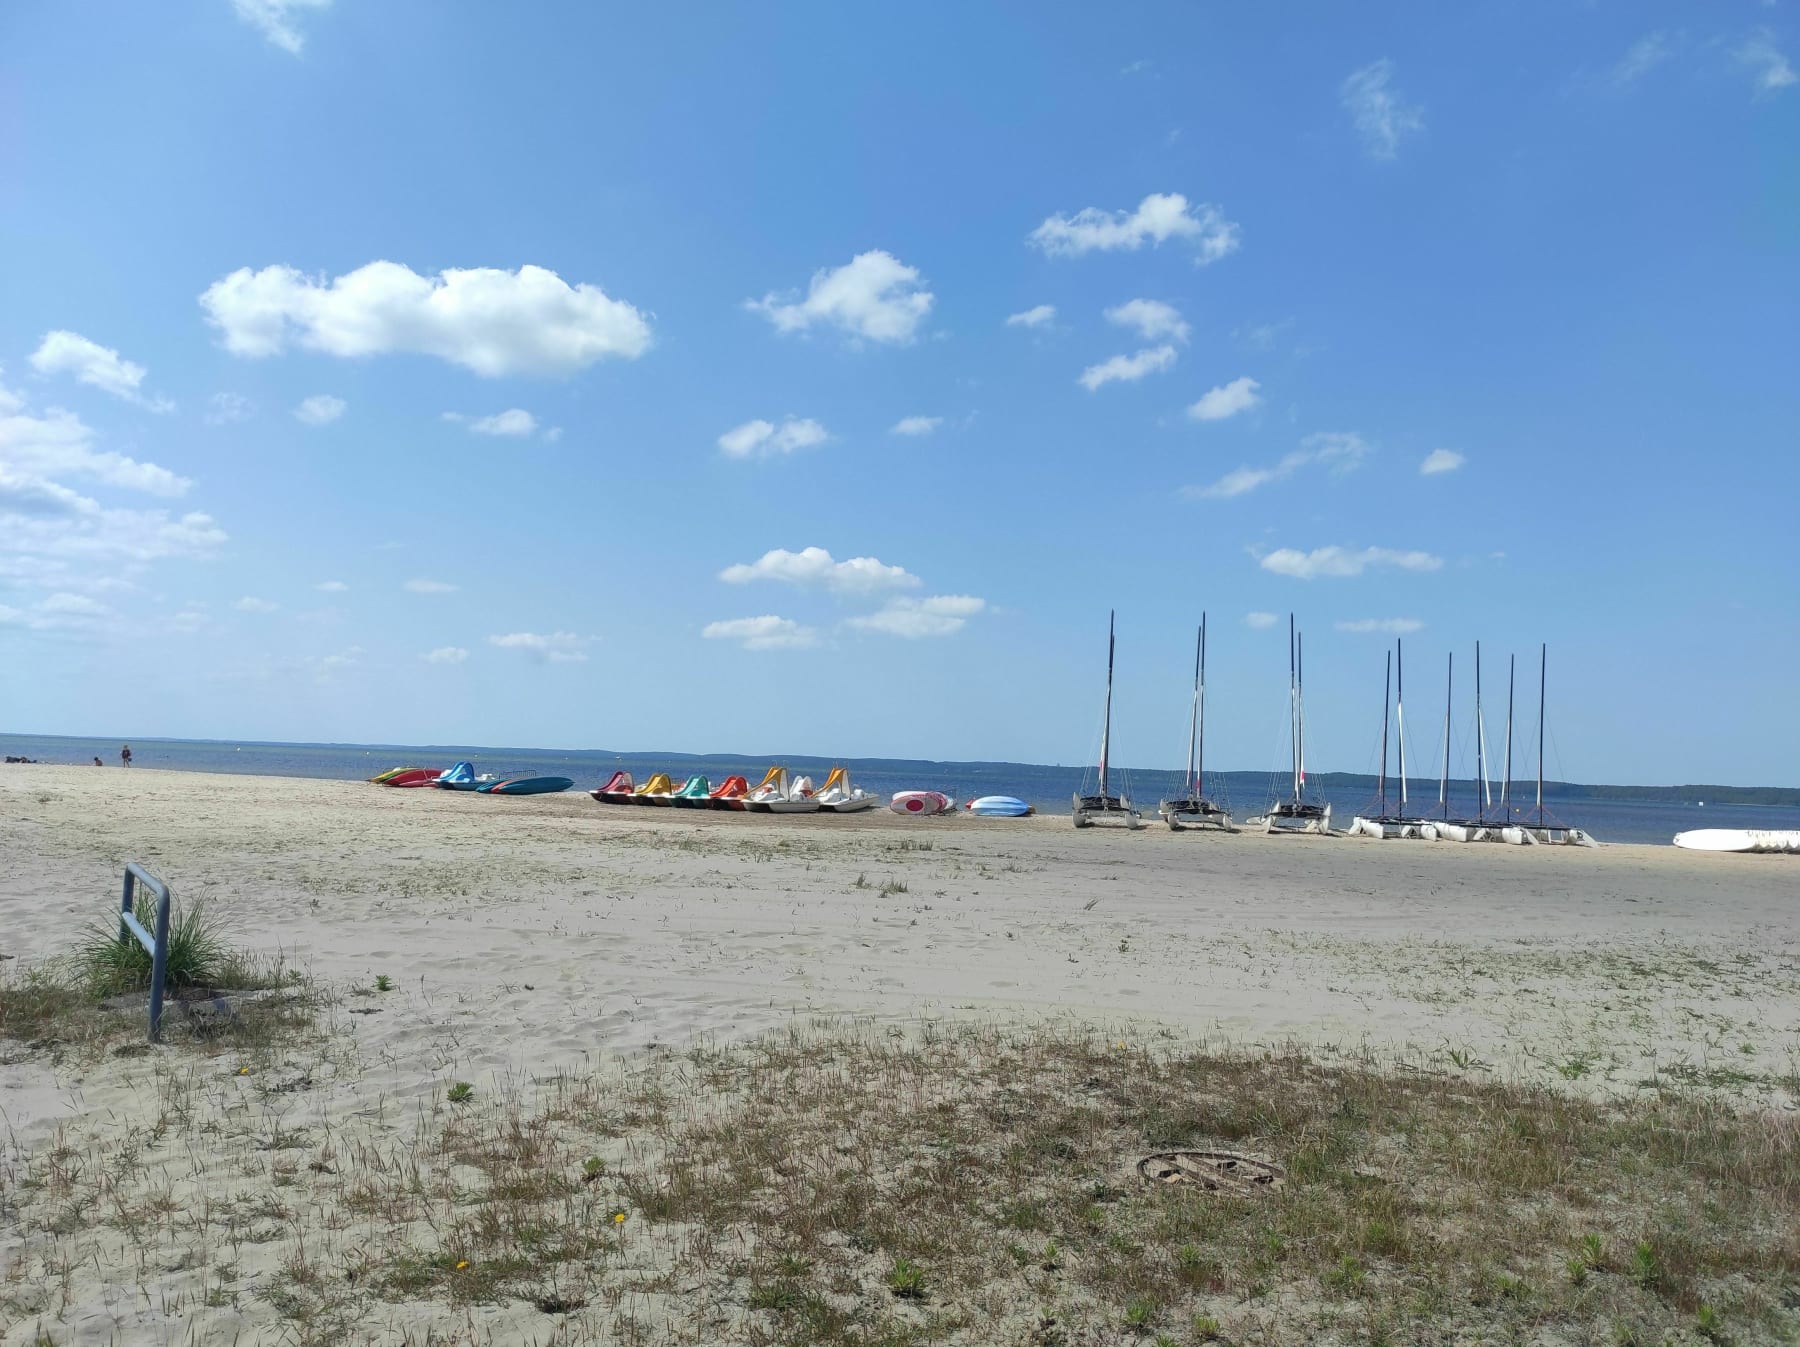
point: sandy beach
(524, 938)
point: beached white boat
(1194, 809)
(1296, 813)
(1105, 807)
(1378, 822)
(780, 794)
(1741, 839)
(839, 796)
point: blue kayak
(526, 785)
(999, 806)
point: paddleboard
(1739, 839)
(527, 785)
(920, 803)
(998, 806)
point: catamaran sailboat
(1540, 828)
(1106, 807)
(1481, 828)
(1296, 813)
(1194, 810)
(1381, 823)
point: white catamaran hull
(1086, 813)
(1275, 821)
(1740, 839)
(1177, 819)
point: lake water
(1047, 787)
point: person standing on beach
(125, 755)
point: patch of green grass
(383, 983)
(460, 1092)
(906, 1279)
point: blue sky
(816, 377)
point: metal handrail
(156, 946)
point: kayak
(1739, 839)
(921, 803)
(527, 785)
(409, 776)
(998, 806)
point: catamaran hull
(1740, 839)
(1112, 811)
(1309, 820)
(1180, 814)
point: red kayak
(415, 776)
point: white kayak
(921, 803)
(998, 806)
(1739, 839)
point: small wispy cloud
(1386, 626)
(513, 423)
(767, 632)
(1039, 316)
(1159, 217)
(251, 604)
(1343, 562)
(1227, 400)
(764, 439)
(1768, 64)
(1441, 460)
(916, 619)
(445, 654)
(1339, 451)
(321, 409)
(557, 647)
(1382, 116)
(1151, 319)
(224, 409)
(97, 366)
(916, 425)
(1128, 368)
(1260, 621)
(277, 20)
(1643, 56)
(815, 568)
(331, 587)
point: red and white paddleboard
(921, 802)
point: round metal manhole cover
(1214, 1171)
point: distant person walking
(125, 755)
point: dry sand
(530, 936)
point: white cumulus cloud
(814, 567)
(557, 647)
(1768, 64)
(939, 615)
(1441, 460)
(59, 444)
(1038, 316)
(916, 425)
(321, 409)
(276, 20)
(1127, 368)
(423, 586)
(1227, 400)
(1384, 626)
(445, 654)
(763, 439)
(1150, 318)
(491, 321)
(1343, 562)
(874, 296)
(1158, 218)
(1237, 482)
(100, 366)
(1382, 115)
(767, 632)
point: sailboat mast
(1506, 782)
(1293, 711)
(1194, 711)
(1106, 724)
(1200, 717)
(1400, 718)
(1387, 688)
(1300, 712)
(1484, 795)
(1444, 778)
(1543, 671)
